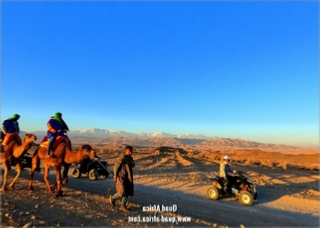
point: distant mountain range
(113, 137)
(102, 133)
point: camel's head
(30, 138)
(87, 149)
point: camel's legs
(58, 180)
(18, 170)
(46, 177)
(2, 158)
(33, 168)
(65, 173)
(5, 175)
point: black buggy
(93, 168)
(25, 162)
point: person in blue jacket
(10, 125)
(56, 127)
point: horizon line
(298, 144)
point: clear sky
(239, 70)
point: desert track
(168, 176)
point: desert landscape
(186, 84)
(172, 171)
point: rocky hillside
(122, 141)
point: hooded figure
(56, 127)
(123, 176)
(58, 117)
(11, 125)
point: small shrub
(267, 163)
(257, 163)
(284, 165)
(248, 162)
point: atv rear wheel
(104, 175)
(76, 173)
(93, 174)
(246, 198)
(213, 193)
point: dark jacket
(124, 174)
(53, 127)
(10, 126)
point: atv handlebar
(104, 167)
(238, 172)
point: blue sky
(240, 70)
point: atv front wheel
(213, 193)
(93, 174)
(246, 198)
(76, 173)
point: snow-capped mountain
(103, 133)
(103, 136)
(198, 136)
(99, 133)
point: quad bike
(241, 187)
(25, 162)
(93, 168)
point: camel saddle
(59, 139)
(10, 137)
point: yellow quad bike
(242, 188)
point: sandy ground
(168, 177)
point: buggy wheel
(106, 174)
(76, 173)
(246, 198)
(93, 174)
(213, 193)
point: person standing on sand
(123, 176)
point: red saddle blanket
(10, 137)
(59, 139)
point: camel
(63, 156)
(13, 153)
